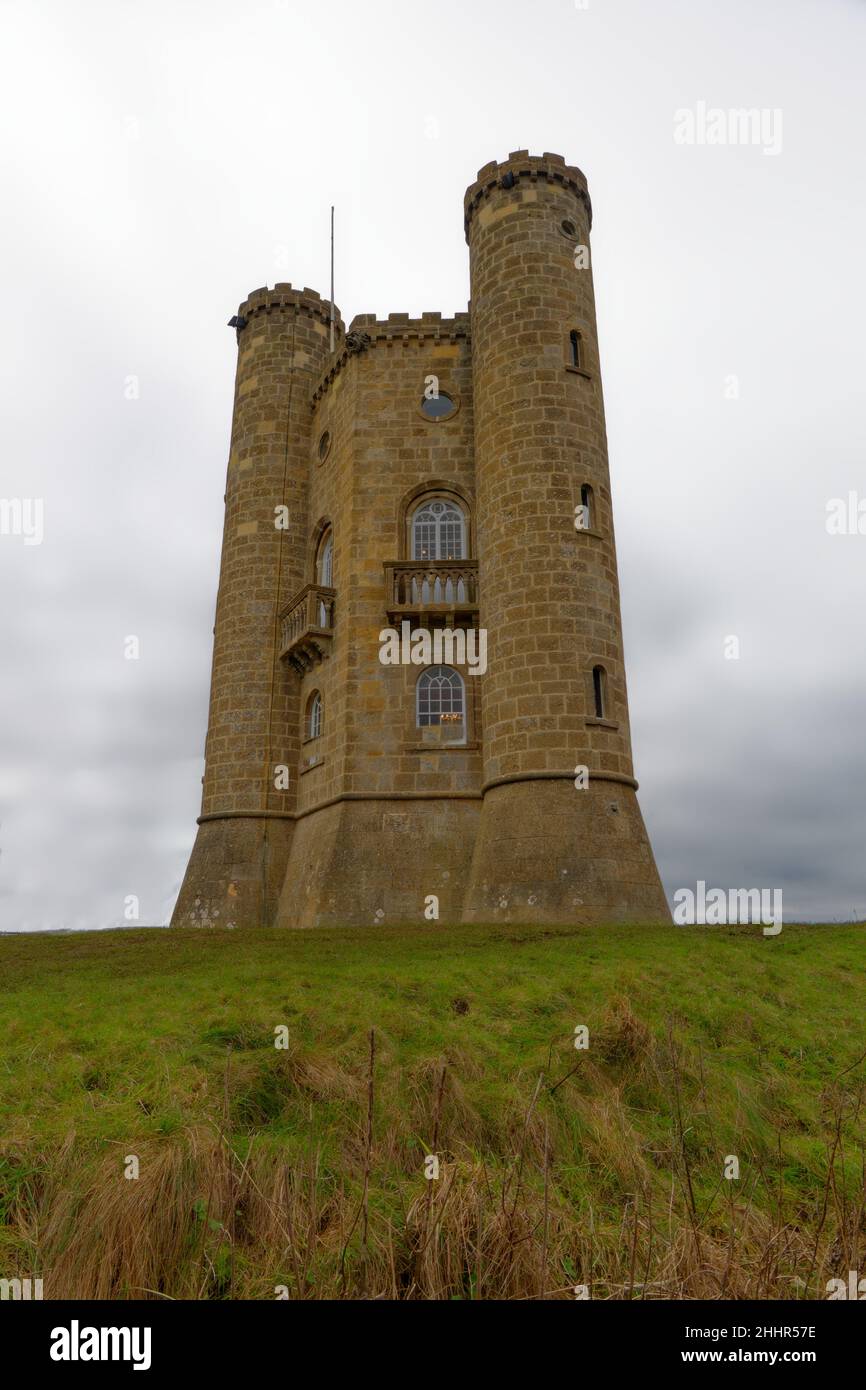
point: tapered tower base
(235, 873)
(546, 852)
(388, 862)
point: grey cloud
(151, 182)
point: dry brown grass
(203, 1222)
(212, 1217)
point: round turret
(554, 697)
(239, 858)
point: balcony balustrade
(307, 626)
(432, 589)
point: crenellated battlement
(519, 169)
(430, 326)
(285, 296)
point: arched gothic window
(438, 531)
(325, 560)
(325, 573)
(314, 715)
(440, 701)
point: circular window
(324, 446)
(438, 407)
(568, 228)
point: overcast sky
(162, 159)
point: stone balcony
(429, 590)
(307, 626)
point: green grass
(704, 1042)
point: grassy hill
(304, 1167)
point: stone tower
(239, 858)
(446, 477)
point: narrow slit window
(575, 347)
(586, 502)
(599, 691)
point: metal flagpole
(332, 279)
